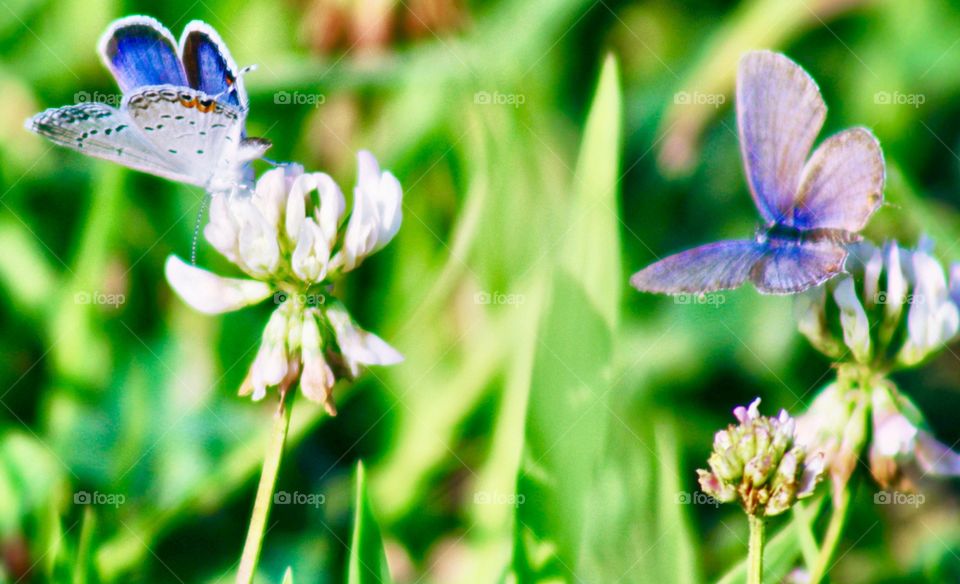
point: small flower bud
(764, 469)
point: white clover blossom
(290, 238)
(884, 323)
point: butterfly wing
(842, 183)
(788, 267)
(105, 132)
(708, 268)
(779, 114)
(140, 51)
(200, 135)
(209, 65)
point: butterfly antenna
(196, 228)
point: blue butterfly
(183, 111)
(812, 208)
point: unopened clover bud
(765, 469)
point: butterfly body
(812, 207)
(183, 113)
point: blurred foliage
(125, 455)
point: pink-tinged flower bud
(764, 468)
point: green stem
(755, 553)
(268, 481)
(831, 539)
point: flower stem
(838, 519)
(268, 480)
(755, 553)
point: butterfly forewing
(198, 134)
(716, 266)
(779, 114)
(842, 184)
(140, 51)
(104, 132)
(209, 66)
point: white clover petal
(210, 293)
(893, 433)
(310, 257)
(377, 212)
(222, 229)
(271, 363)
(259, 248)
(270, 196)
(896, 291)
(358, 346)
(871, 275)
(296, 211)
(810, 308)
(955, 283)
(936, 458)
(317, 379)
(933, 318)
(332, 207)
(853, 319)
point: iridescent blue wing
(788, 267)
(140, 51)
(779, 114)
(842, 183)
(708, 268)
(209, 66)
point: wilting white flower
(902, 450)
(284, 236)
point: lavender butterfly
(811, 207)
(183, 112)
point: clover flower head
(893, 309)
(290, 238)
(759, 463)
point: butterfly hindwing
(140, 51)
(779, 114)
(708, 268)
(104, 132)
(787, 267)
(842, 184)
(198, 133)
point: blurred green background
(548, 420)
